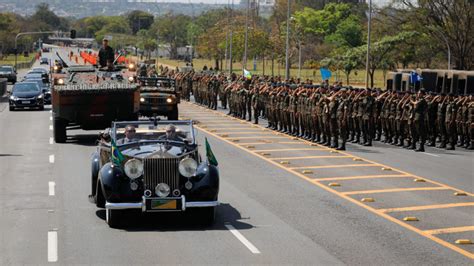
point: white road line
(50, 118)
(242, 239)
(51, 158)
(430, 154)
(51, 185)
(52, 246)
(50, 111)
(50, 127)
(51, 140)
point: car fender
(206, 183)
(110, 177)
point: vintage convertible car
(153, 172)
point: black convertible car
(153, 166)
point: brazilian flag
(210, 155)
(117, 156)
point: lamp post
(246, 34)
(287, 59)
(231, 40)
(368, 46)
(28, 33)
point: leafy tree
(138, 20)
(171, 29)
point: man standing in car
(106, 55)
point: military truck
(89, 99)
(158, 97)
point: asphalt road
(277, 205)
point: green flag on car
(210, 155)
(117, 156)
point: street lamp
(287, 59)
(368, 46)
(246, 34)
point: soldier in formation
(333, 115)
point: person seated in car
(129, 135)
(171, 134)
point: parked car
(153, 171)
(44, 61)
(9, 73)
(26, 95)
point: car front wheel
(112, 218)
(206, 216)
(12, 108)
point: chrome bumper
(141, 205)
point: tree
(171, 29)
(448, 22)
(381, 52)
(138, 20)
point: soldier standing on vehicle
(106, 55)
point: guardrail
(3, 87)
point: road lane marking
(242, 239)
(51, 185)
(390, 190)
(263, 133)
(52, 246)
(50, 127)
(50, 118)
(428, 207)
(293, 149)
(355, 201)
(51, 140)
(357, 177)
(310, 157)
(334, 166)
(430, 154)
(259, 137)
(51, 158)
(450, 230)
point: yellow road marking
(393, 190)
(255, 143)
(428, 207)
(334, 166)
(450, 230)
(309, 157)
(295, 149)
(354, 201)
(246, 132)
(357, 177)
(290, 142)
(257, 137)
(240, 128)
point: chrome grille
(161, 170)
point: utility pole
(287, 59)
(246, 34)
(368, 45)
(231, 39)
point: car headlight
(13, 98)
(55, 67)
(187, 167)
(162, 190)
(61, 81)
(131, 79)
(133, 168)
(131, 66)
(142, 99)
(169, 100)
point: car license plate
(164, 204)
(155, 108)
(25, 102)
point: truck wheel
(112, 218)
(173, 115)
(59, 130)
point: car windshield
(148, 131)
(26, 87)
(38, 81)
(6, 69)
(33, 75)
